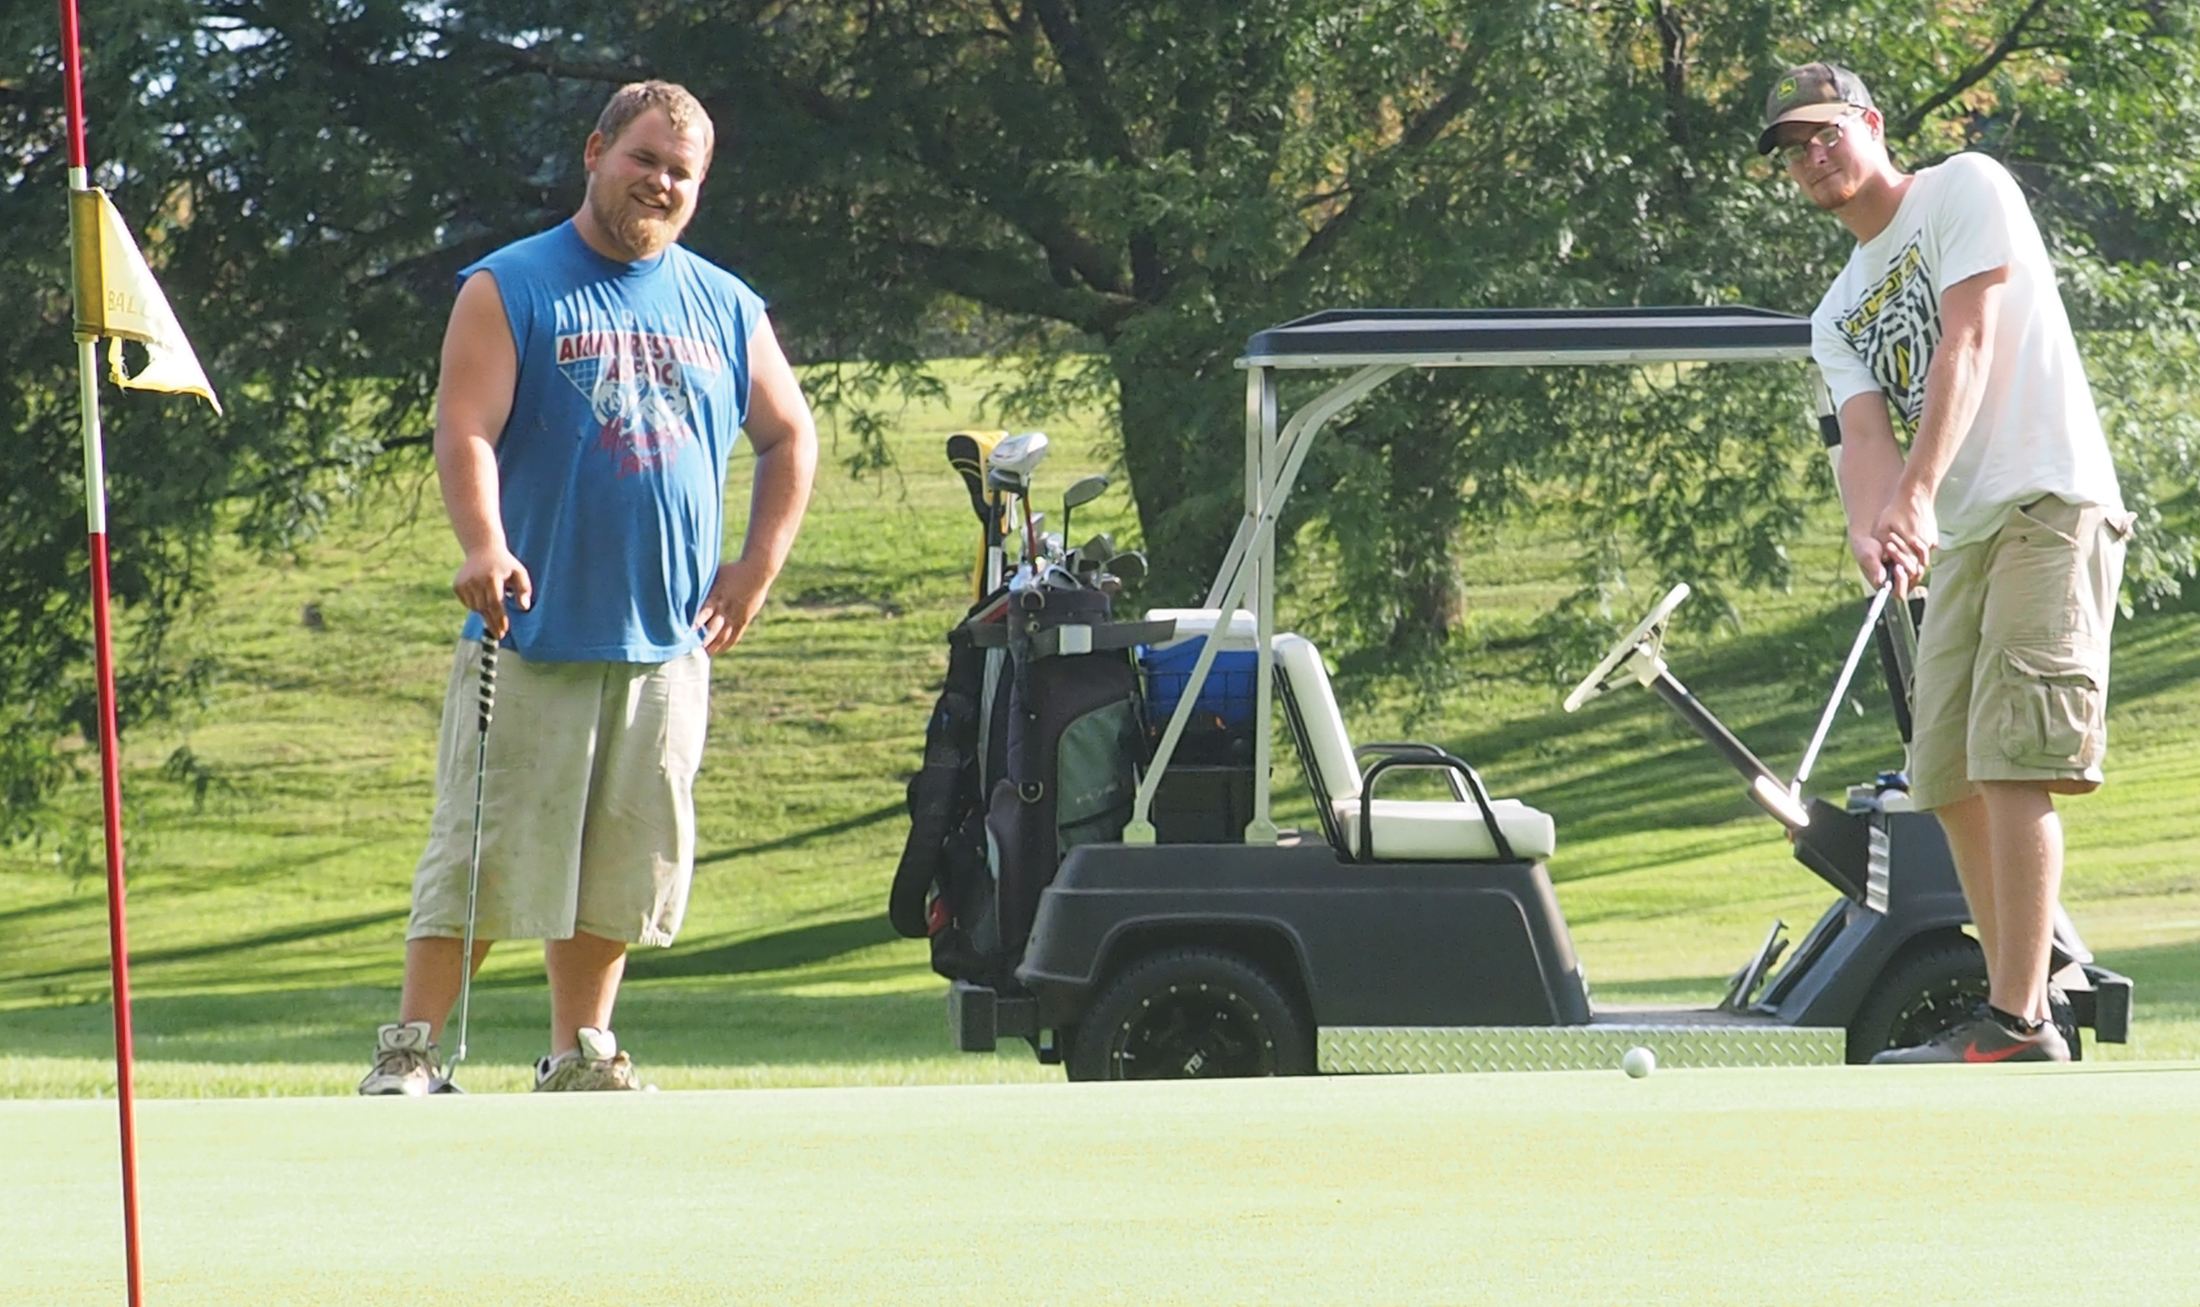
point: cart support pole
(1260, 451)
(1254, 534)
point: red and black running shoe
(1980, 1040)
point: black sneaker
(1982, 1039)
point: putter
(488, 700)
(1840, 688)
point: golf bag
(1029, 752)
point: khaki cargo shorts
(2012, 659)
(588, 809)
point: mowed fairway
(1841, 1185)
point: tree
(304, 211)
(1153, 181)
(1126, 189)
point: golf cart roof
(1529, 337)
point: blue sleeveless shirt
(633, 385)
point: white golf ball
(1638, 1062)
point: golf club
(966, 453)
(1081, 492)
(1010, 467)
(1128, 568)
(1840, 687)
(488, 699)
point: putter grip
(488, 680)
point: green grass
(269, 877)
(1843, 1186)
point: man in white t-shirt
(1947, 314)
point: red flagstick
(110, 744)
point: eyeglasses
(1825, 138)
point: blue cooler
(1227, 694)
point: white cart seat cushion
(1405, 829)
(1318, 714)
(1441, 831)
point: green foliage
(1118, 194)
(1164, 178)
(274, 828)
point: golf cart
(1195, 938)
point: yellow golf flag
(117, 297)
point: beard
(645, 231)
(1833, 192)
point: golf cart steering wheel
(1650, 629)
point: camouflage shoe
(596, 1065)
(404, 1062)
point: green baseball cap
(1812, 93)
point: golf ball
(1638, 1062)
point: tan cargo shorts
(588, 809)
(2012, 659)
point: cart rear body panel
(1435, 944)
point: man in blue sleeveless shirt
(594, 379)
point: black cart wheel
(1920, 996)
(1190, 1013)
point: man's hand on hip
(736, 597)
(484, 580)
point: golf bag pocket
(1081, 709)
(1096, 776)
(1019, 827)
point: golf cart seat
(1472, 827)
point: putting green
(1834, 1185)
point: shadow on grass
(800, 838)
(782, 950)
(51, 908)
(311, 930)
(1769, 687)
(685, 1024)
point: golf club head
(1097, 550)
(1014, 459)
(1129, 568)
(1083, 491)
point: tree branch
(1086, 75)
(1673, 56)
(2010, 43)
(1071, 255)
(1417, 136)
(1004, 283)
(534, 59)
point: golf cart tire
(1931, 987)
(1187, 1013)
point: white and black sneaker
(404, 1062)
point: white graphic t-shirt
(2036, 432)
